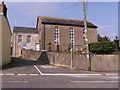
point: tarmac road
(31, 74)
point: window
(28, 38)
(71, 34)
(56, 36)
(84, 36)
(83, 31)
(19, 38)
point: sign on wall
(24, 44)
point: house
(5, 36)
(60, 34)
(24, 38)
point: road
(31, 74)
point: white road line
(9, 74)
(1, 74)
(71, 74)
(111, 74)
(48, 74)
(94, 81)
(21, 74)
(33, 74)
(16, 81)
(48, 66)
(38, 70)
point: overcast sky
(102, 14)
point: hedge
(104, 47)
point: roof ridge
(65, 21)
(24, 27)
(58, 18)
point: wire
(60, 11)
(29, 23)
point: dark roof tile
(63, 21)
(25, 30)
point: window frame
(20, 39)
(29, 39)
(56, 36)
(72, 36)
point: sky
(102, 14)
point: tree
(100, 39)
(105, 38)
(104, 47)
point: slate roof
(63, 21)
(25, 30)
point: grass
(117, 52)
(70, 52)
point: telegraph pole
(86, 35)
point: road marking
(1, 74)
(111, 74)
(94, 81)
(21, 74)
(48, 66)
(38, 69)
(33, 74)
(16, 81)
(47, 74)
(9, 74)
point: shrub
(104, 47)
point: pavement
(23, 73)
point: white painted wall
(5, 35)
(0, 52)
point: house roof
(1, 15)
(25, 30)
(63, 21)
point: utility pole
(86, 35)
(71, 56)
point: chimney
(3, 9)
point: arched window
(56, 36)
(71, 34)
(84, 36)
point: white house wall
(0, 52)
(6, 42)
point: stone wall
(47, 36)
(105, 62)
(98, 62)
(30, 54)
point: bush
(104, 47)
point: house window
(56, 36)
(71, 34)
(28, 38)
(20, 38)
(83, 31)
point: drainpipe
(44, 38)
